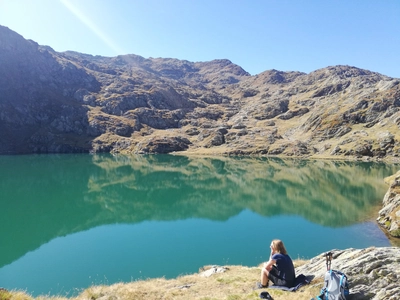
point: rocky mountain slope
(73, 102)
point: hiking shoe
(266, 295)
(260, 286)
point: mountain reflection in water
(48, 196)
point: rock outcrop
(389, 215)
(373, 273)
(73, 102)
(38, 111)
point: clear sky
(258, 35)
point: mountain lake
(75, 220)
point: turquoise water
(71, 221)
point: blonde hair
(279, 246)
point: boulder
(163, 145)
(211, 270)
(373, 273)
(294, 113)
(389, 215)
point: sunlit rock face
(73, 102)
(389, 215)
(373, 273)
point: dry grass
(238, 283)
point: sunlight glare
(95, 29)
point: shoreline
(373, 273)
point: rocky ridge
(73, 102)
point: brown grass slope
(238, 283)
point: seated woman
(279, 269)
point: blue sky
(258, 35)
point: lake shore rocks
(373, 273)
(389, 215)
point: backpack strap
(341, 280)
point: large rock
(163, 145)
(389, 215)
(373, 273)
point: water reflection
(44, 197)
(167, 187)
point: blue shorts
(273, 275)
